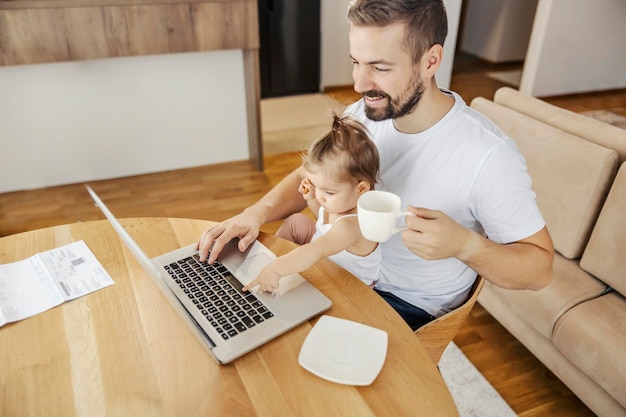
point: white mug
(378, 212)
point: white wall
(72, 122)
(453, 8)
(576, 46)
(335, 56)
(498, 30)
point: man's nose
(362, 81)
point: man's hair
(425, 21)
(349, 146)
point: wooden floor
(219, 191)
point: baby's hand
(267, 281)
(307, 189)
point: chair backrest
(437, 334)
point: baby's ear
(363, 186)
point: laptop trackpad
(252, 266)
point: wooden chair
(437, 334)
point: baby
(339, 167)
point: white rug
(607, 116)
(472, 393)
(511, 78)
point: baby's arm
(338, 238)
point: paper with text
(47, 279)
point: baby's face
(335, 196)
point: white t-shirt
(466, 167)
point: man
(465, 182)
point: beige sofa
(576, 325)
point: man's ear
(363, 186)
(431, 60)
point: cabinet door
(290, 47)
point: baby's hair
(349, 146)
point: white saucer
(344, 351)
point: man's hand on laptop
(243, 226)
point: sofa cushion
(605, 254)
(593, 336)
(541, 309)
(586, 127)
(571, 176)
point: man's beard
(398, 107)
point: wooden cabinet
(38, 31)
(66, 30)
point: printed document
(47, 279)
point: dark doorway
(290, 47)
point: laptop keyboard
(218, 296)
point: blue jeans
(415, 317)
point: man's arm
(525, 264)
(281, 201)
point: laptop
(227, 321)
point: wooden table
(122, 351)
